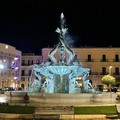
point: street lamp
(110, 70)
(110, 73)
(1, 65)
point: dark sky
(30, 25)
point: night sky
(30, 25)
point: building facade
(101, 61)
(28, 60)
(16, 68)
(10, 66)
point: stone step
(47, 116)
(55, 110)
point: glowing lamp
(1, 66)
(16, 68)
(15, 58)
(15, 78)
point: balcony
(27, 74)
(104, 60)
(26, 64)
(104, 73)
(89, 60)
(116, 60)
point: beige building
(101, 61)
(10, 66)
(15, 69)
(28, 60)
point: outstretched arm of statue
(51, 54)
(85, 76)
(38, 75)
(90, 85)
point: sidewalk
(61, 116)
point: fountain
(59, 75)
(56, 82)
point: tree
(108, 80)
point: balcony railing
(89, 60)
(116, 73)
(104, 73)
(26, 74)
(26, 64)
(116, 60)
(104, 60)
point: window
(28, 62)
(23, 72)
(116, 70)
(23, 62)
(30, 72)
(89, 57)
(32, 62)
(103, 58)
(116, 58)
(103, 70)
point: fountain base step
(62, 99)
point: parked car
(1, 91)
(114, 89)
(8, 89)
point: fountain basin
(61, 70)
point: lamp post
(110, 70)
(110, 73)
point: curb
(52, 116)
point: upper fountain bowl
(61, 70)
